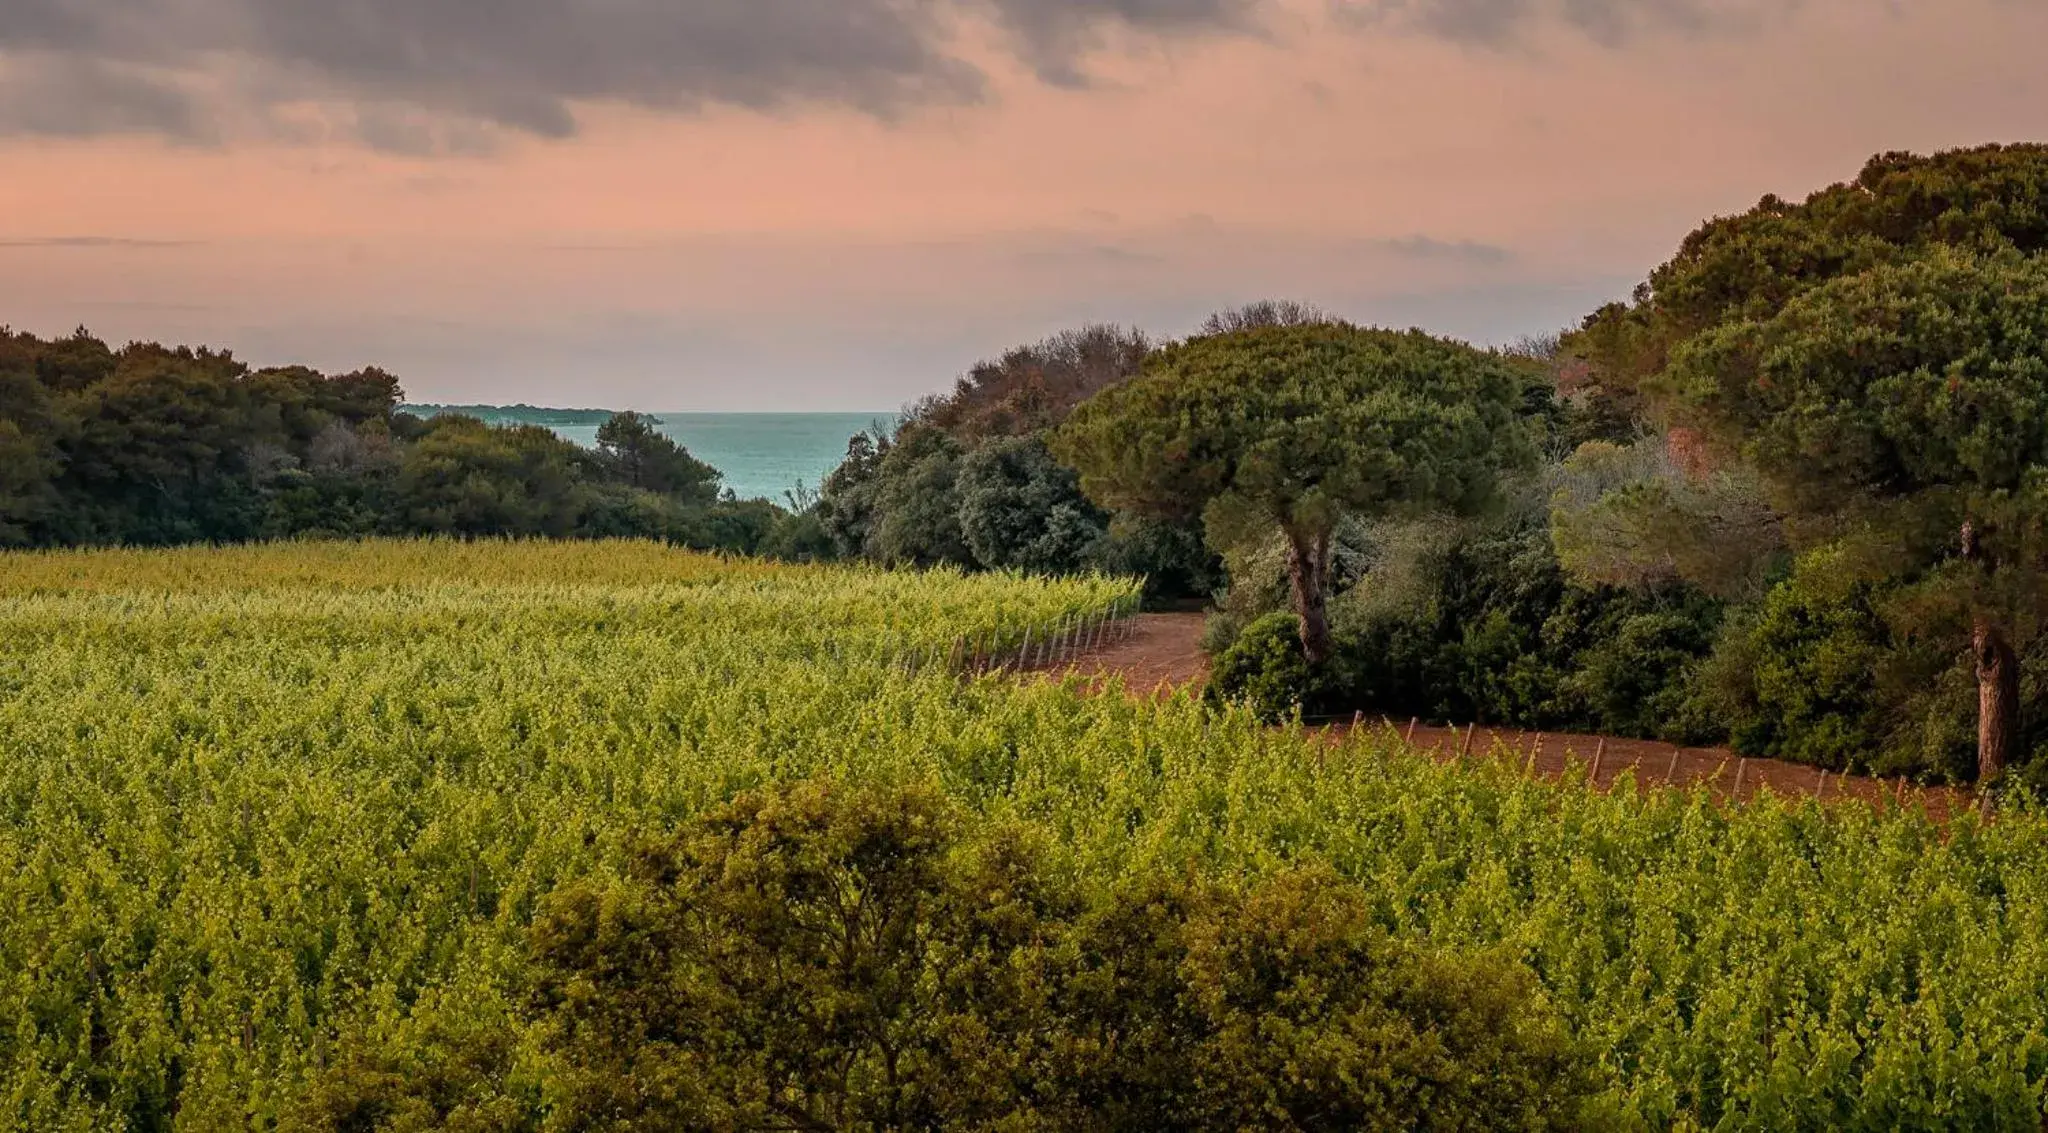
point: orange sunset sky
(840, 204)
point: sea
(761, 455)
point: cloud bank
(429, 76)
(418, 74)
(1501, 23)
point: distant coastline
(521, 414)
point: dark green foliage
(464, 477)
(917, 506)
(1748, 266)
(640, 456)
(894, 500)
(1864, 370)
(1021, 509)
(967, 479)
(799, 537)
(150, 445)
(841, 958)
(1903, 412)
(1172, 558)
(1304, 422)
(1291, 428)
(846, 499)
(1821, 672)
(743, 527)
(1487, 627)
(1815, 658)
(1265, 669)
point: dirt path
(1725, 774)
(1164, 651)
(1158, 651)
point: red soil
(1163, 651)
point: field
(256, 804)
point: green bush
(832, 957)
(1265, 668)
(1485, 626)
(1816, 674)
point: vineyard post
(1409, 739)
(1535, 750)
(1899, 796)
(1024, 651)
(1671, 772)
(1599, 754)
(1741, 769)
(1467, 748)
(1823, 788)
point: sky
(821, 205)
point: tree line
(153, 445)
(1789, 496)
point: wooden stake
(1535, 750)
(1409, 739)
(1823, 788)
(1671, 772)
(1599, 753)
(1467, 749)
(1741, 768)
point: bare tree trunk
(1998, 699)
(1307, 563)
(1998, 679)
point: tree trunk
(1307, 563)
(1998, 699)
(1998, 678)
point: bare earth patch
(1156, 652)
(1162, 652)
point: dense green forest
(1787, 497)
(149, 445)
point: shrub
(828, 957)
(1265, 669)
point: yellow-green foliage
(261, 806)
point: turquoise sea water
(761, 454)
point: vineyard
(259, 806)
